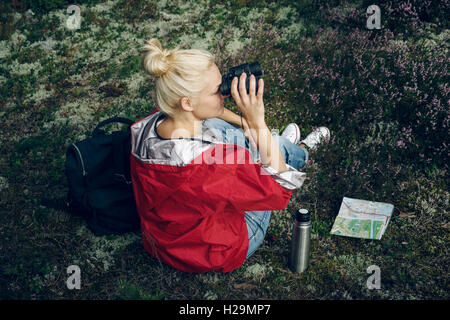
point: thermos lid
(302, 215)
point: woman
(204, 190)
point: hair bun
(157, 61)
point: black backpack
(98, 175)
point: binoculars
(249, 68)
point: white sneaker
(292, 133)
(317, 136)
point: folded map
(362, 219)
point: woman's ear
(185, 104)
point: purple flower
(400, 143)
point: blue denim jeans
(294, 155)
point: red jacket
(192, 214)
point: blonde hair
(178, 73)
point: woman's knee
(294, 155)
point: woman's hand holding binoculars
(251, 105)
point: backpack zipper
(81, 158)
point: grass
(382, 93)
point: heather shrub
(385, 102)
(350, 81)
(408, 16)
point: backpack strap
(118, 141)
(111, 120)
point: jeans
(294, 155)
